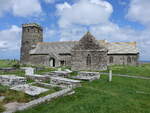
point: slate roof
(66, 46)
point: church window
(129, 59)
(62, 62)
(88, 60)
(111, 59)
(28, 30)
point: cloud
(84, 12)
(49, 34)
(139, 11)
(72, 33)
(22, 8)
(94, 14)
(10, 38)
(4, 6)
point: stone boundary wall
(44, 99)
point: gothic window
(129, 59)
(88, 60)
(111, 59)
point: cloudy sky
(113, 20)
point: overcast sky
(113, 20)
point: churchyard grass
(141, 70)
(122, 95)
(7, 63)
(1, 107)
(18, 96)
(45, 70)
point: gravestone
(90, 76)
(11, 80)
(29, 89)
(28, 70)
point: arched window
(88, 60)
(129, 59)
(111, 59)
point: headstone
(59, 73)
(65, 82)
(29, 89)
(90, 76)
(28, 70)
(11, 80)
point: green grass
(16, 72)
(45, 70)
(100, 96)
(12, 96)
(1, 107)
(7, 63)
(142, 70)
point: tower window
(28, 30)
(111, 59)
(88, 60)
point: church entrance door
(52, 62)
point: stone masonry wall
(98, 60)
(123, 60)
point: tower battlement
(32, 25)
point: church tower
(31, 35)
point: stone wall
(44, 99)
(66, 59)
(98, 60)
(88, 54)
(123, 60)
(39, 60)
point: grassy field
(7, 63)
(141, 70)
(122, 95)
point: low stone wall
(44, 99)
(9, 69)
(50, 85)
(90, 76)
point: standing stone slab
(28, 70)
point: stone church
(85, 54)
